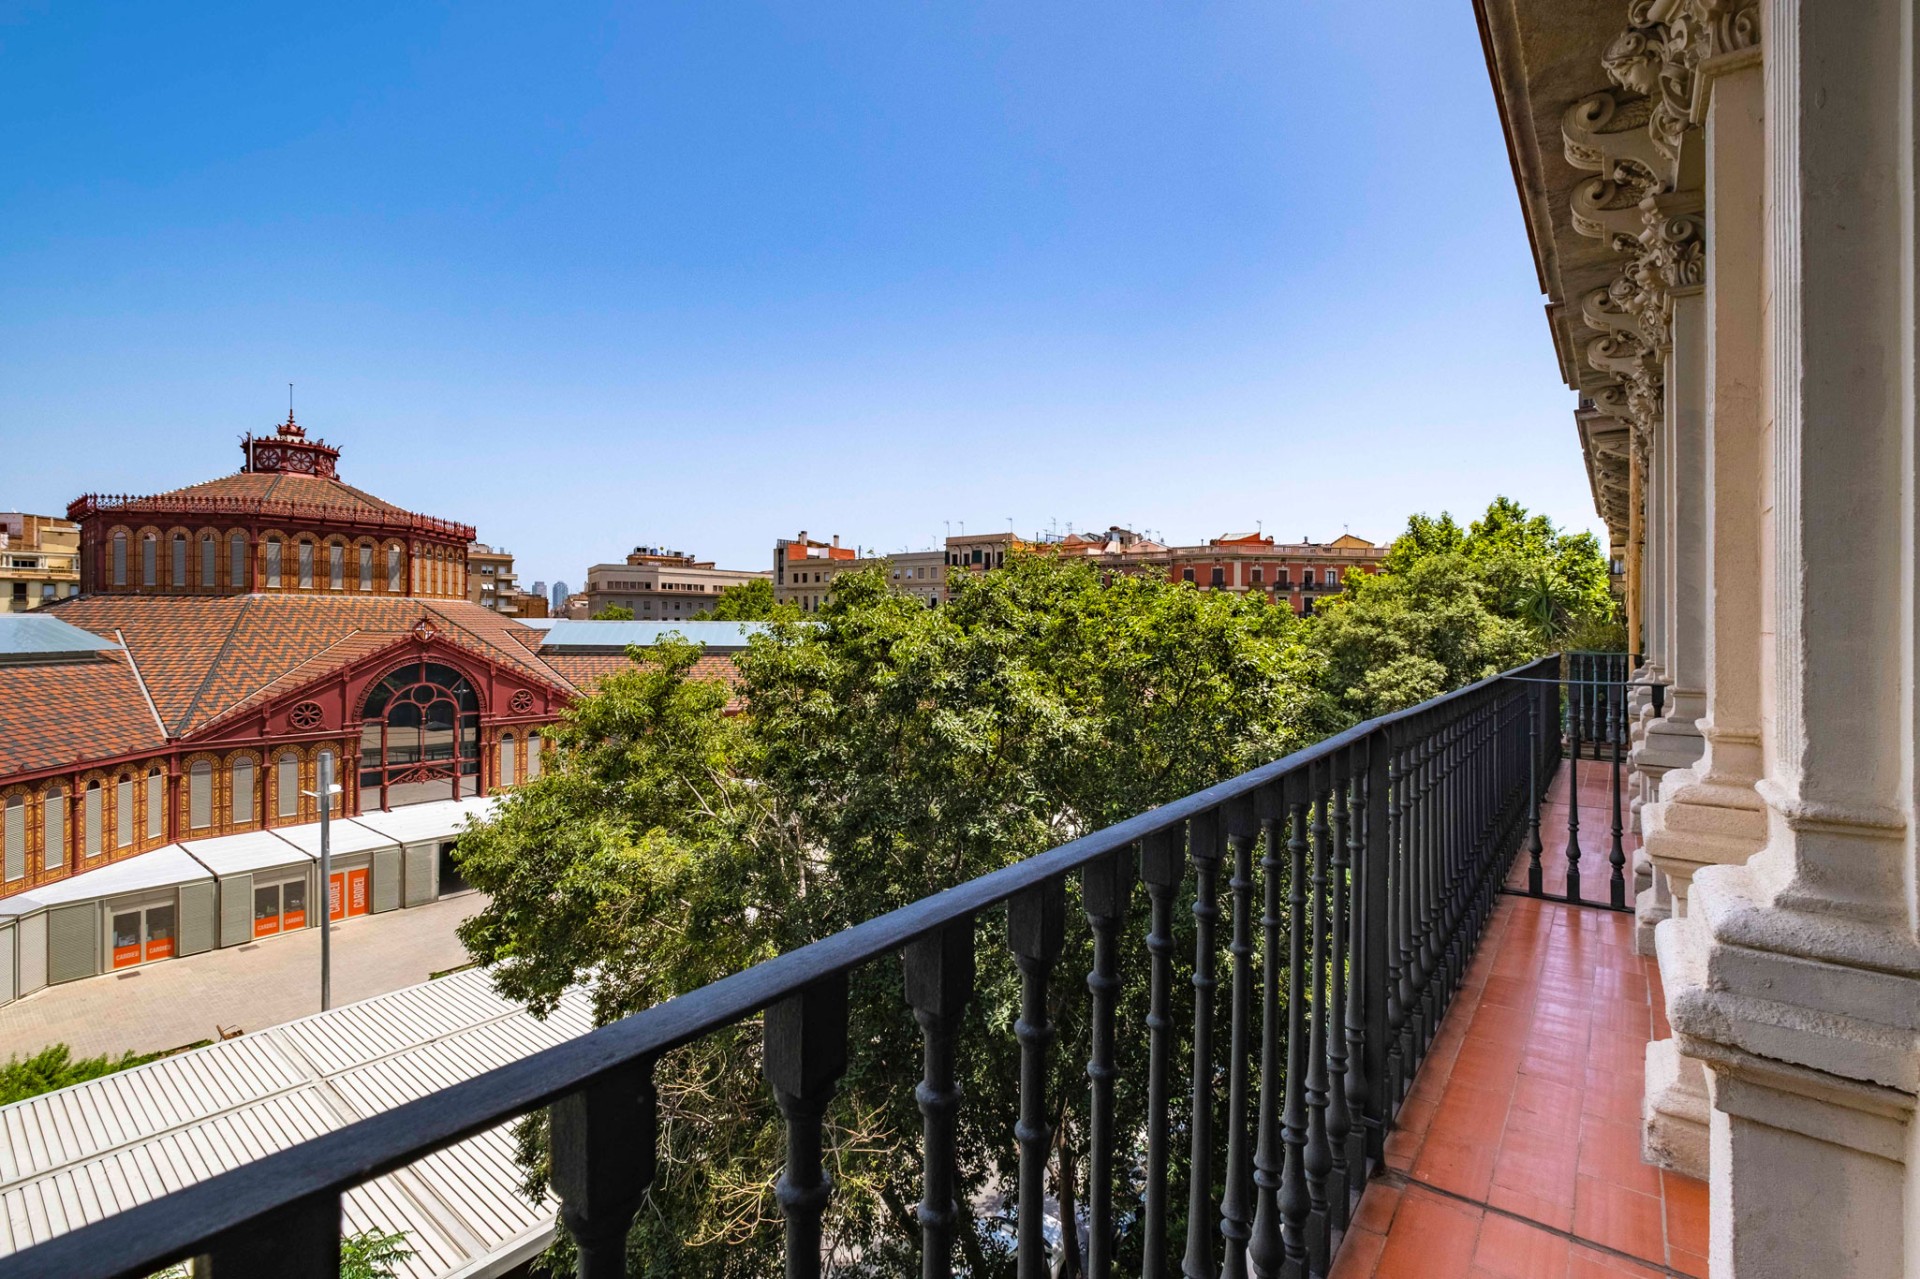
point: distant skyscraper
(538, 588)
(559, 598)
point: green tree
(614, 613)
(56, 1067)
(1451, 606)
(887, 751)
(749, 601)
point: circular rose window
(522, 702)
(305, 715)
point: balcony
(1420, 1068)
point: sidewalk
(261, 984)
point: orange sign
(126, 956)
(347, 893)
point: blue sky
(707, 274)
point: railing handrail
(166, 1227)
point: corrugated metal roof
(349, 835)
(568, 634)
(160, 868)
(442, 819)
(43, 635)
(247, 851)
(74, 1156)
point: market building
(161, 734)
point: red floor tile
(1520, 1143)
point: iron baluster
(300, 1240)
(1236, 1208)
(1295, 1201)
(603, 1141)
(1617, 856)
(804, 1055)
(1346, 1058)
(1266, 1248)
(1573, 792)
(1161, 867)
(1036, 930)
(939, 982)
(1317, 1159)
(1104, 888)
(1203, 845)
(1536, 884)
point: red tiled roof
(282, 486)
(205, 657)
(61, 713)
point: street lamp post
(325, 795)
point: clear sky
(706, 274)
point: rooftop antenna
(949, 525)
(289, 401)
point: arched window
(533, 756)
(120, 557)
(273, 563)
(149, 560)
(306, 566)
(366, 570)
(336, 567)
(179, 558)
(509, 760)
(156, 804)
(241, 780)
(393, 570)
(123, 813)
(200, 795)
(419, 737)
(237, 561)
(209, 561)
(53, 819)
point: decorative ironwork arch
(419, 736)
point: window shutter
(242, 792)
(55, 821)
(200, 796)
(123, 813)
(289, 785)
(156, 805)
(93, 815)
(16, 840)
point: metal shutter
(16, 840)
(33, 953)
(386, 879)
(422, 863)
(6, 965)
(195, 932)
(236, 909)
(73, 942)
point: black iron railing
(1589, 699)
(1359, 874)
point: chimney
(803, 537)
(836, 540)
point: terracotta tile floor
(1517, 1153)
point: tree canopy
(883, 751)
(749, 601)
(1451, 606)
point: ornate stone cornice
(1632, 137)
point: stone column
(1796, 976)
(1710, 813)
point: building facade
(1295, 574)
(804, 571)
(235, 636)
(39, 560)
(656, 584)
(491, 582)
(1721, 200)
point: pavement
(276, 979)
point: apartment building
(491, 581)
(39, 560)
(804, 571)
(1292, 573)
(659, 584)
